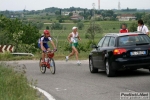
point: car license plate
(134, 53)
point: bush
(81, 47)
(5, 56)
(47, 27)
(56, 26)
(80, 25)
(89, 45)
(76, 21)
(61, 21)
(14, 84)
(133, 27)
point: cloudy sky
(41, 4)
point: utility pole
(98, 4)
(119, 7)
(93, 21)
(93, 10)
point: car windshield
(133, 40)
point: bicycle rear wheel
(52, 66)
(42, 68)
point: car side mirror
(94, 46)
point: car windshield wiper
(142, 43)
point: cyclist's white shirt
(74, 37)
(142, 29)
(44, 40)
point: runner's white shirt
(74, 37)
(142, 29)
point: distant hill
(53, 9)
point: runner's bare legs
(74, 51)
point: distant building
(77, 12)
(126, 17)
(98, 16)
(65, 13)
(14, 16)
(77, 17)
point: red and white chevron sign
(6, 48)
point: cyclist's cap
(74, 28)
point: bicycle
(48, 63)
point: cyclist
(42, 44)
(73, 38)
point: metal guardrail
(27, 54)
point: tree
(60, 12)
(47, 14)
(22, 36)
(109, 13)
(70, 14)
(57, 13)
(139, 15)
(146, 19)
(93, 30)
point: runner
(73, 38)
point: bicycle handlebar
(50, 51)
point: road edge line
(49, 96)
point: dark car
(116, 52)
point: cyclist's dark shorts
(44, 44)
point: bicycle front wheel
(52, 66)
(42, 67)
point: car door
(95, 54)
(106, 50)
(102, 52)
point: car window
(112, 42)
(106, 41)
(101, 41)
(132, 40)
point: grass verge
(37, 56)
(14, 85)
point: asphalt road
(72, 82)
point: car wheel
(109, 70)
(91, 67)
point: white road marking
(59, 89)
(50, 97)
(130, 90)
